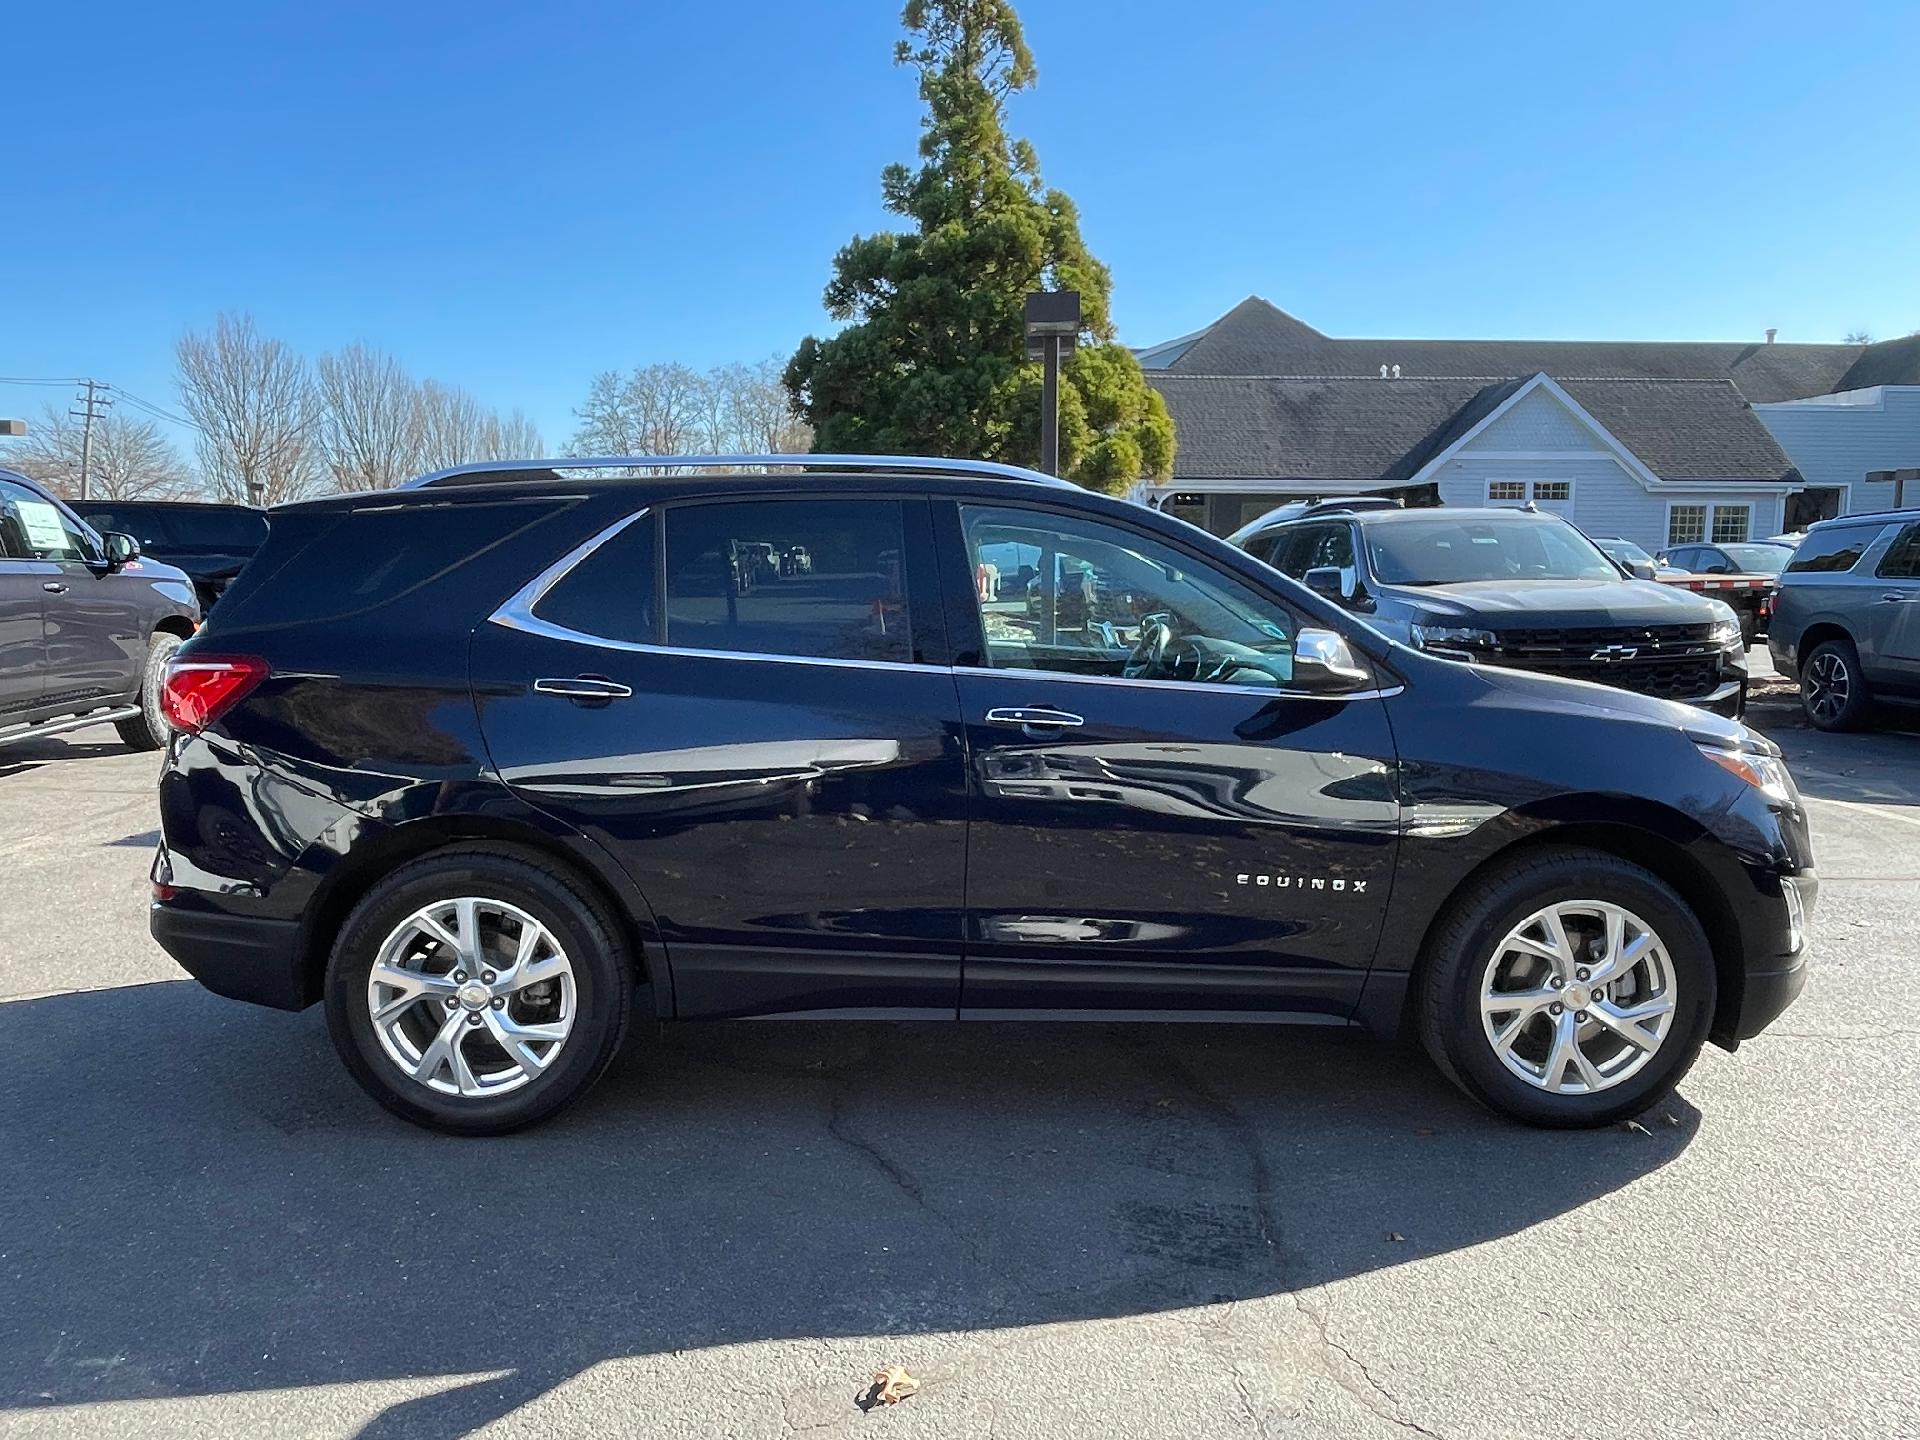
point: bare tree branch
(132, 459)
(253, 401)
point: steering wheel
(1151, 653)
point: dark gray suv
(87, 626)
(1847, 619)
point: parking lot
(1094, 1230)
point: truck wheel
(1832, 690)
(477, 991)
(149, 729)
(1567, 988)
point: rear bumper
(244, 957)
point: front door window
(1061, 593)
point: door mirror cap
(1322, 660)
(121, 548)
(1330, 581)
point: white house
(1850, 446)
(1658, 443)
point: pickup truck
(87, 626)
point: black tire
(1833, 692)
(1463, 945)
(602, 968)
(149, 729)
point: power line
(159, 412)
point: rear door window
(1830, 552)
(610, 594)
(1902, 560)
(731, 586)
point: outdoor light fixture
(13, 427)
(1053, 329)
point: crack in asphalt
(1228, 1117)
(1837, 1034)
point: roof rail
(1351, 503)
(480, 469)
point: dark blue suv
(488, 763)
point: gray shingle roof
(1258, 338)
(1381, 432)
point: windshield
(183, 527)
(1442, 551)
(1758, 559)
(1625, 550)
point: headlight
(1766, 773)
(1454, 639)
(1726, 625)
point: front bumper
(1776, 944)
(1729, 700)
(244, 957)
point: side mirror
(1328, 580)
(1323, 661)
(120, 548)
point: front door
(95, 623)
(23, 651)
(1160, 821)
(771, 751)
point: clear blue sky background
(511, 197)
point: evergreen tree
(935, 359)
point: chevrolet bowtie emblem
(1615, 652)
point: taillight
(199, 691)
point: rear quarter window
(1832, 552)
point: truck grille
(1672, 662)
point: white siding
(1836, 439)
(1540, 439)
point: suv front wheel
(148, 730)
(477, 991)
(1567, 988)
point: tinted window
(1902, 560)
(1831, 551)
(1758, 558)
(196, 527)
(611, 593)
(1098, 599)
(1440, 551)
(819, 578)
(35, 529)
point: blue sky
(512, 197)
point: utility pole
(93, 407)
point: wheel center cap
(1578, 997)
(474, 995)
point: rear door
(23, 650)
(774, 758)
(1157, 825)
(1893, 617)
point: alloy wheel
(471, 997)
(1578, 997)
(1828, 686)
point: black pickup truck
(1510, 587)
(87, 624)
(210, 541)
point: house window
(1686, 524)
(1730, 524)
(1542, 491)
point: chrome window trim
(1205, 686)
(517, 612)
(911, 464)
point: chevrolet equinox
(488, 763)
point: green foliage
(934, 359)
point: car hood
(1559, 694)
(1556, 604)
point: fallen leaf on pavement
(893, 1384)
(1395, 1235)
(1638, 1128)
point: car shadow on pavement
(198, 1201)
(22, 756)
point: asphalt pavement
(1100, 1230)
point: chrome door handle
(1899, 597)
(583, 687)
(54, 587)
(1038, 717)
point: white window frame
(1527, 488)
(1709, 508)
(1706, 522)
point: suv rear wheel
(148, 730)
(1832, 689)
(1567, 988)
(477, 991)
